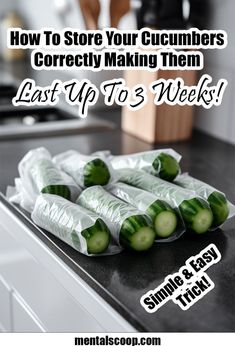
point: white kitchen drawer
(24, 319)
(51, 303)
(58, 297)
(43, 294)
(5, 306)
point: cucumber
(219, 206)
(73, 224)
(164, 218)
(75, 240)
(59, 190)
(97, 237)
(44, 174)
(96, 172)
(162, 163)
(196, 214)
(130, 228)
(217, 200)
(136, 234)
(166, 167)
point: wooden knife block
(162, 123)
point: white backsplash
(5, 7)
(220, 121)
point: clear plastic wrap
(115, 213)
(195, 211)
(113, 210)
(140, 199)
(67, 221)
(143, 200)
(203, 190)
(37, 172)
(173, 194)
(80, 168)
(147, 161)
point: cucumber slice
(219, 206)
(136, 233)
(165, 224)
(197, 215)
(166, 167)
(59, 190)
(96, 172)
(97, 237)
(164, 218)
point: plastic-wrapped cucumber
(163, 163)
(85, 170)
(39, 174)
(76, 226)
(195, 211)
(129, 227)
(166, 167)
(163, 216)
(44, 174)
(220, 206)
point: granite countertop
(122, 279)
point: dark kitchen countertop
(122, 279)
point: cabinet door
(24, 320)
(56, 295)
(45, 297)
(5, 306)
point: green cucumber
(59, 190)
(75, 240)
(219, 206)
(164, 218)
(131, 229)
(217, 200)
(166, 167)
(196, 214)
(44, 174)
(96, 172)
(73, 224)
(136, 233)
(97, 237)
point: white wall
(42, 13)
(6, 6)
(220, 121)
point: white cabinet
(43, 298)
(41, 293)
(23, 318)
(5, 306)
